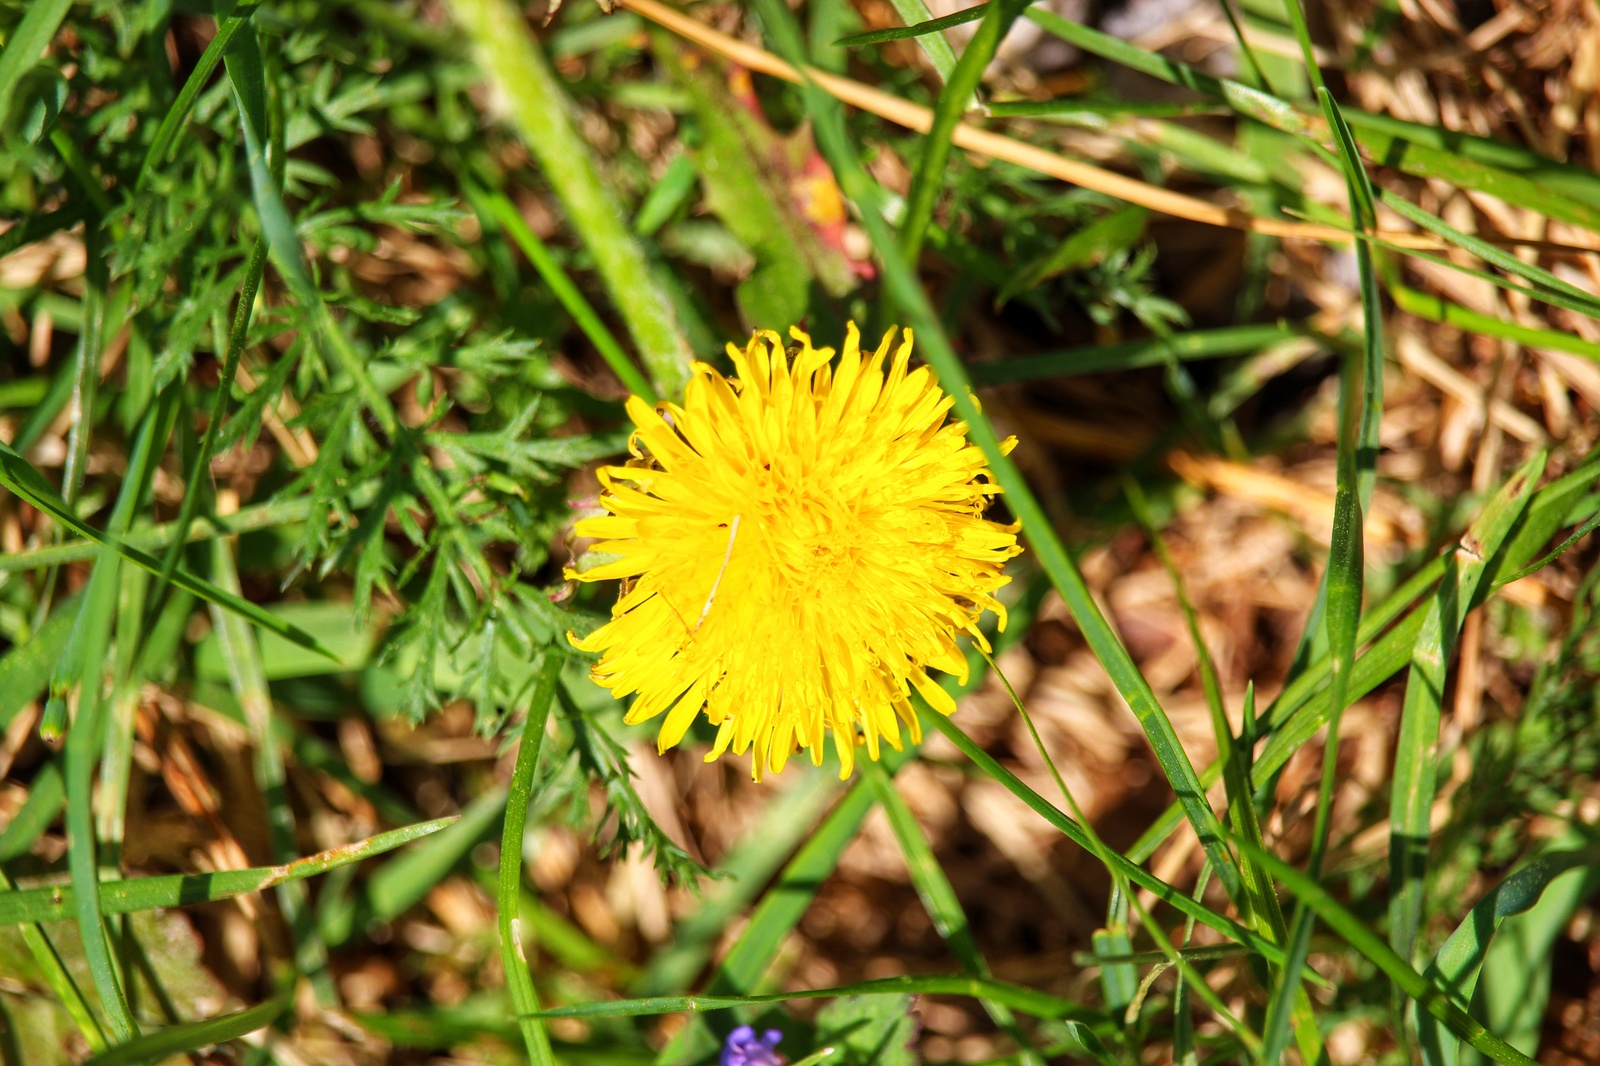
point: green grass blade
(193, 1036)
(505, 214)
(59, 978)
(248, 677)
(1416, 750)
(21, 478)
(1027, 1000)
(1438, 309)
(519, 980)
(916, 29)
(25, 48)
(785, 903)
(1455, 968)
(928, 179)
(250, 519)
(1112, 232)
(933, 44)
(513, 63)
(1357, 935)
(1345, 574)
(180, 890)
(1128, 355)
(46, 793)
(200, 467)
(167, 133)
(1137, 874)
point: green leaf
(27, 43)
(1455, 968)
(524, 999)
(181, 890)
(1416, 750)
(192, 1036)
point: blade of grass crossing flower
(193, 1036)
(247, 677)
(939, 898)
(1345, 575)
(505, 214)
(928, 180)
(22, 479)
(1429, 995)
(904, 289)
(513, 63)
(58, 902)
(1455, 968)
(520, 794)
(1416, 751)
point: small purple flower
(744, 1048)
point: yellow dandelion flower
(798, 546)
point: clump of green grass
(316, 318)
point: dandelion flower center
(799, 545)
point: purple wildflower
(744, 1048)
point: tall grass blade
(1416, 750)
(518, 978)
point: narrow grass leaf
(933, 45)
(782, 827)
(193, 1036)
(497, 207)
(1427, 993)
(939, 898)
(55, 903)
(929, 177)
(27, 43)
(167, 133)
(1129, 355)
(1027, 1000)
(1455, 968)
(918, 29)
(1416, 750)
(511, 60)
(519, 980)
